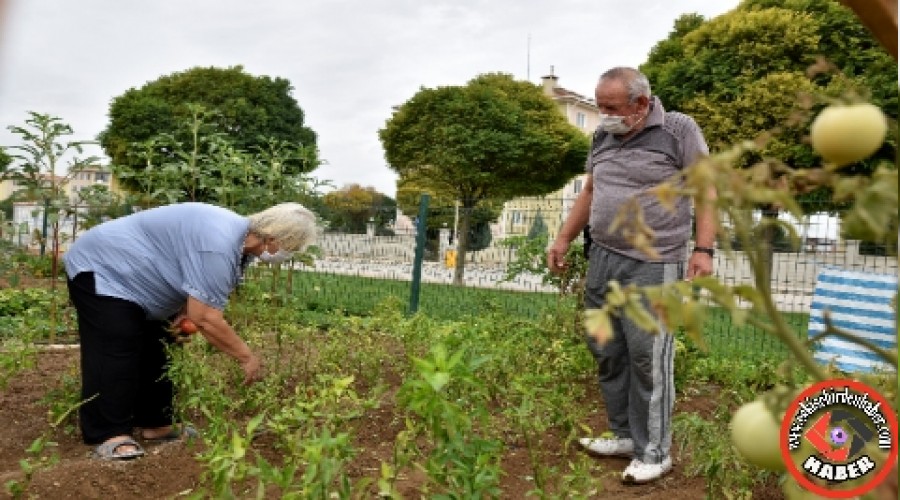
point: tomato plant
(755, 433)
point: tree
(746, 71)
(444, 211)
(538, 227)
(755, 72)
(247, 110)
(208, 167)
(5, 159)
(350, 209)
(95, 205)
(494, 138)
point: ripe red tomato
(187, 326)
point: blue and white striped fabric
(859, 303)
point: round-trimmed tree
(249, 111)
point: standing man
(637, 146)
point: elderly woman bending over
(129, 278)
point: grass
(324, 294)
(726, 340)
(359, 296)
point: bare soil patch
(171, 470)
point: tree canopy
(352, 207)
(248, 111)
(208, 167)
(494, 137)
(749, 71)
(5, 159)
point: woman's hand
(220, 334)
(252, 367)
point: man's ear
(643, 102)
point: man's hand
(700, 264)
(252, 369)
(556, 257)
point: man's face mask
(275, 258)
(613, 124)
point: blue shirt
(158, 257)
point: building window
(576, 187)
(101, 177)
(516, 217)
(580, 119)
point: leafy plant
(38, 456)
(713, 457)
(36, 167)
(447, 398)
(531, 258)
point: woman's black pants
(124, 383)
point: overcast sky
(349, 61)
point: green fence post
(44, 226)
(420, 253)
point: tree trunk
(462, 240)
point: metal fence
(385, 253)
(377, 253)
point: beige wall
(89, 176)
(7, 188)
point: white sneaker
(608, 447)
(638, 472)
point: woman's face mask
(275, 258)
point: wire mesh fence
(357, 266)
(381, 261)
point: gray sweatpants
(636, 367)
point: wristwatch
(707, 250)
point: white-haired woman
(130, 277)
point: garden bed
(171, 470)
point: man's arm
(695, 147)
(699, 263)
(572, 227)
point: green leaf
(438, 380)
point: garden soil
(171, 470)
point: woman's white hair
(290, 223)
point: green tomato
(757, 436)
(847, 134)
